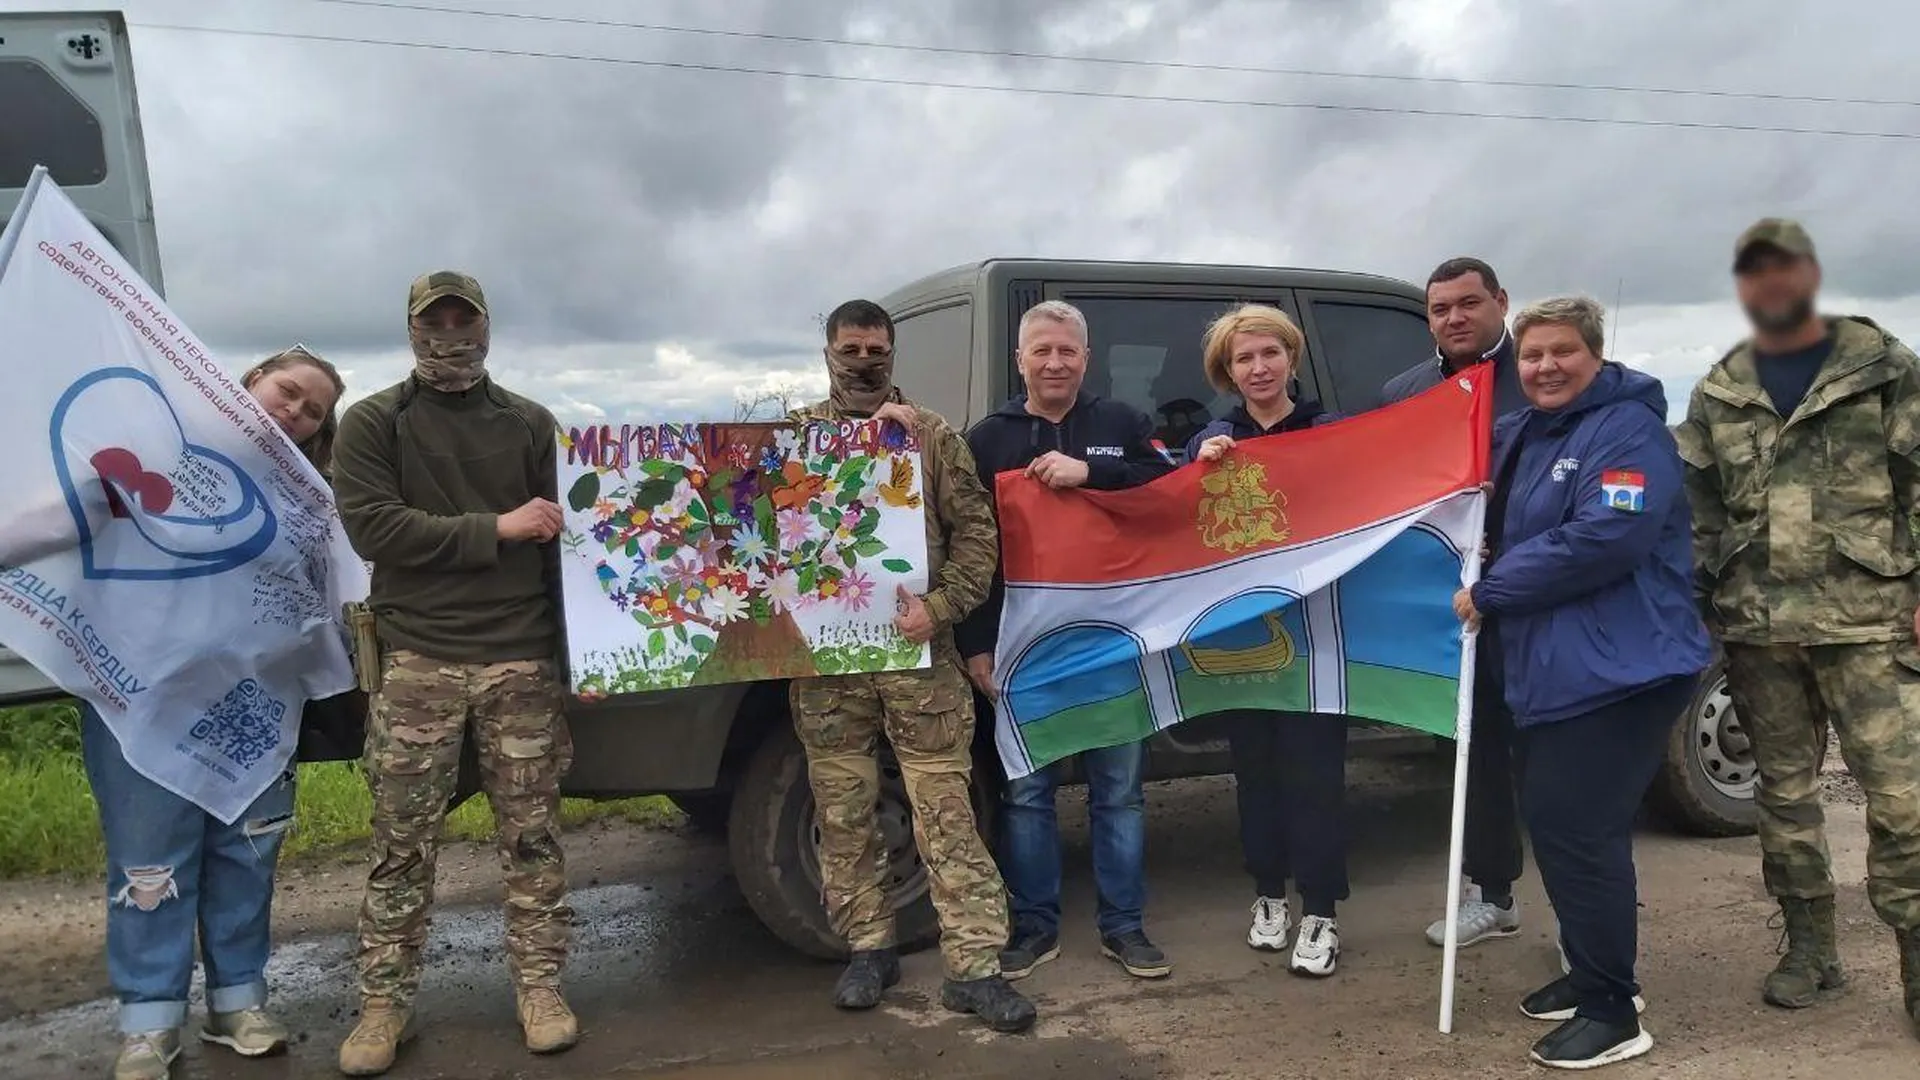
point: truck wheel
(1706, 785)
(772, 840)
(707, 812)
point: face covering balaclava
(859, 385)
(450, 359)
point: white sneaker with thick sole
(1478, 920)
(1272, 922)
(1316, 950)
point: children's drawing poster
(696, 554)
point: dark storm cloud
(611, 209)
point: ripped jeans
(174, 869)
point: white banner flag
(168, 554)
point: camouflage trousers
(1786, 695)
(416, 724)
(927, 716)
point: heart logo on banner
(203, 515)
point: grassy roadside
(50, 825)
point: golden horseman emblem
(1238, 511)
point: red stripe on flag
(1272, 492)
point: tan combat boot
(548, 1024)
(1910, 973)
(1812, 959)
(371, 1048)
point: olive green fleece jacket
(421, 477)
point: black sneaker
(867, 977)
(1028, 950)
(1558, 1000)
(993, 1000)
(1581, 1043)
(1140, 957)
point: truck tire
(771, 839)
(1705, 787)
(706, 811)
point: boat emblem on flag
(1624, 489)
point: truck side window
(1364, 345)
(933, 353)
(1146, 352)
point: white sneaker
(1271, 923)
(1317, 948)
(1478, 920)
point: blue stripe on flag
(1074, 665)
(1396, 609)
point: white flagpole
(1463, 740)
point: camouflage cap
(441, 283)
(1776, 233)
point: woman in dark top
(1290, 769)
(1597, 643)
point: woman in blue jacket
(1587, 604)
(1290, 769)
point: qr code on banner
(244, 726)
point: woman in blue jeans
(1289, 769)
(174, 871)
(1586, 606)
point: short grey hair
(1053, 311)
(1585, 315)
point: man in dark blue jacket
(1066, 439)
(1467, 313)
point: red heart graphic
(117, 466)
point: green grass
(51, 826)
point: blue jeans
(174, 869)
(1030, 842)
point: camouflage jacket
(963, 542)
(1805, 527)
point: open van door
(66, 79)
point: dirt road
(674, 980)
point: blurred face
(297, 397)
(1777, 290)
(1053, 362)
(1260, 367)
(1466, 319)
(1555, 365)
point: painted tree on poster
(716, 542)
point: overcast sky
(651, 239)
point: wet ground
(674, 980)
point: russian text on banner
(1312, 571)
(168, 554)
(696, 554)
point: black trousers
(1290, 774)
(1581, 782)
(1491, 854)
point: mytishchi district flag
(1310, 571)
(167, 554)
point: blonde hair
(1586, 317)
(319, 445)
(1262, 320)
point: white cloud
(651, 240)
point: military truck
(727, 754)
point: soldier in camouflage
(926, 715)
(446, 484)
(1803, 455)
